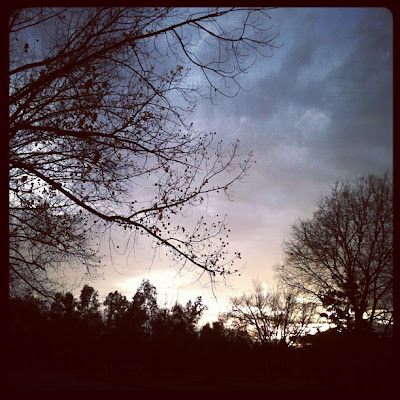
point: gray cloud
(331, 94)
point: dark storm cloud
(330, 90)
(320, 109)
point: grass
(77, 381)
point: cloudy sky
(319, 110)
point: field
(77, 381)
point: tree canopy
(99, 135)
(343, 255)
(274, 316)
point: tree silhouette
(343, 255)
(274, 316)
(116, 306)
(89, 302)
(135, 323)
(145, 299)
(99, 137)
(64, 306)
(175, 336)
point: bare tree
(275, 316)
(98, 131)
(343, 255)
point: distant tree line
(140, 339)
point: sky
(318, 111)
